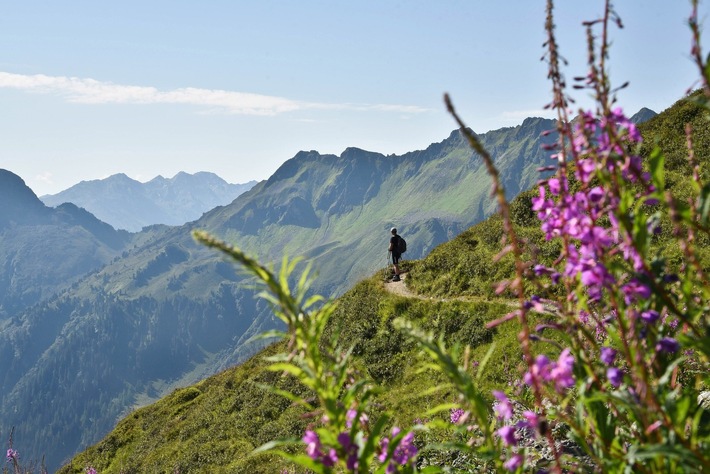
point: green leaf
(656, 163)
(704, 204)
(369, 449)
(484, 361)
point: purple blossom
(561, 373)
(608, 355)
(539, 370)
(541, 270)
(635, 290)
(314, 451)
(403, 453)
(350, 449)
(352, 414)
(515, 461)
(650, 316)
(531, 420)
(615, 376)
(12, 455)
(329, 460)
(667, 344)
(349, 417)
(578, 215)
(456, 414)
(507, 434)
(405, 450)
(312, 444)
(91, 470)
(503, 408)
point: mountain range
(131, 205)
(163, 312)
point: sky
(154, 87)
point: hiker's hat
(393, 230)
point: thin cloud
(91, 91)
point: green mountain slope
(163, 315)
(45, 250)
(229, 414)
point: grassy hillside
(227, 416)
(214, 425)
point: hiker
(395, 249)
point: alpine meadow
(552, 315)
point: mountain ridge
(128, 204)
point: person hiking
(395, 250)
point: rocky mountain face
(168, 312)
(131, 205)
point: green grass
(215, 425)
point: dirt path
(400, 288)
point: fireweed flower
(515, 461)
(634, 290)
(531, 420)
(403, 453)
(456, 414)
(312, 444)
(667, 344)
(561, 373)
(615, 376)
(91, 470)
(12, 455)
(350, 449)
(539, 370)
(608, 355)
(314, 451)
(503, 408)
(352, 414)
(507, 435)
(650, 316)
(578, 215)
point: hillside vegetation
(213, 426)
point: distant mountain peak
(128, 204)
(18, 200)
(642, 115)
(10, 184)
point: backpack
(401, 245)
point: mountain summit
(131, 205)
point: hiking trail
(399, 288)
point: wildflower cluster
(395, 452)
(621, 306)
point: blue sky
(153, 87)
